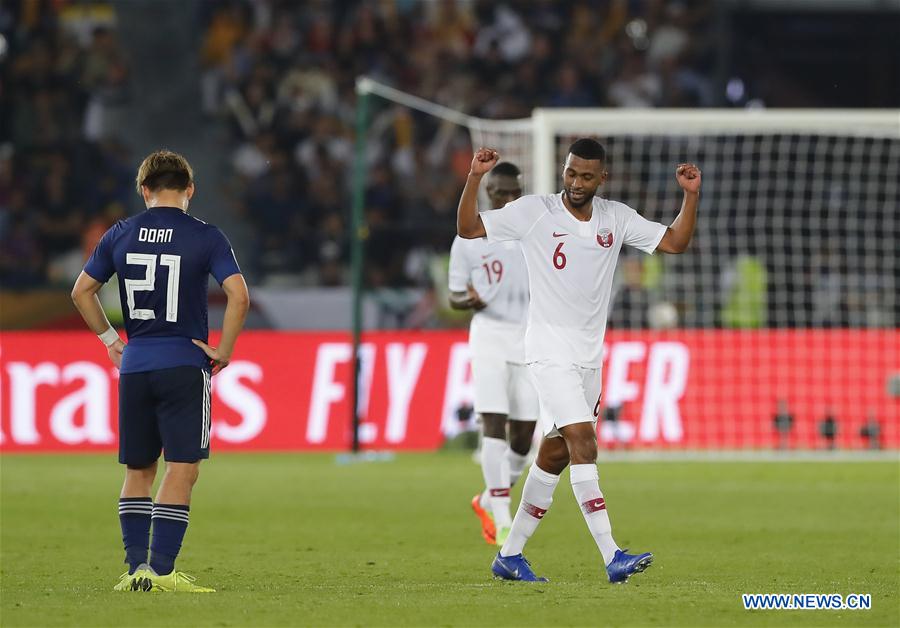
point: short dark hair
(586, 148)
(164, 170)
(506, 168)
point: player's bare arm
(235, 314)
(84, 294)
(468, 222)
(468, 300)
(680, 232)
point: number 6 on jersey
(559, 258)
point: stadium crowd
(64, 174)
(282, 75)
(277, 78)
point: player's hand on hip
(475, 301)
(484, 160)
(217, 360)
(688, 177)
(115, 352)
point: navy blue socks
(170, 522)
(134, 517)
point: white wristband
(109, 336)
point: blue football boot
(514, 568)
(624, 565)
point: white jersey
(498, 274)
(570, 269)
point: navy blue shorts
(164, 411)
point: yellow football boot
(138, 581)
(177, 582)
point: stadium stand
(276, 82)
(64, 174)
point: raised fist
(688, 177)
(484, 160)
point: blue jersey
(163, 258)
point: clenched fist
(688, 177)
(484, 160)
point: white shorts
(568, 394)
(502, 387)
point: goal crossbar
(548, 124)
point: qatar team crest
(605, 238)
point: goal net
(779, 327)
(785, 310)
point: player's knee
(552, 465)
(192, 474)
(183, 473)
(563, 457)
(520, 445)
(553, 456)
(584, 451)
(494, 425)
(141, 472)
(581, 441)
(521, 434)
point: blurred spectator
(783, 423)
(21, 255)
(104, 76)
(251, 109)
(635, 86)
(828, 429)
(502, 31)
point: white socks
(495, 469)
(538, 495)
(586, 486)
(536, 499)
(501, 468)
(516, 465)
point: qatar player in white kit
(571, 242)
(491, 278)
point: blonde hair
(164, 170)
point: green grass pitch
(297, 540)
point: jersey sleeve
(641, 233)
(513, 221)
(100, 265)
(222, 263)
(458, 275)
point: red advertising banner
(694, 389)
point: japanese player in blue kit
(163, 258)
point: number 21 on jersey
(148, 283)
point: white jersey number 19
(149, 283)
(497, 267)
